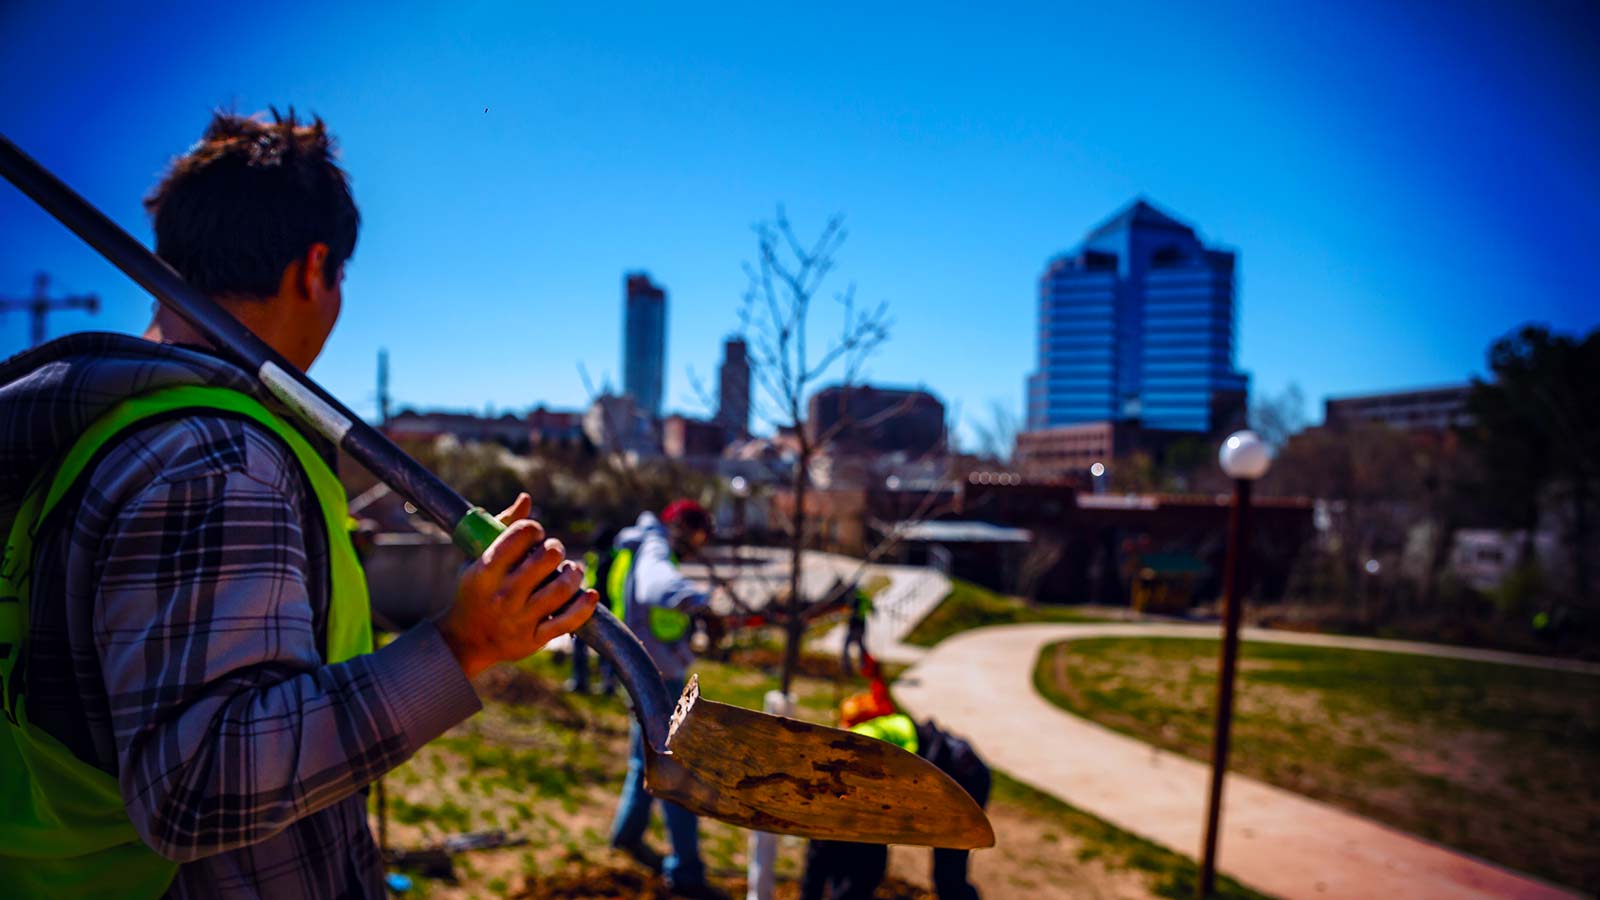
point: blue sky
(1402, 182)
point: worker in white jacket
(655, 600)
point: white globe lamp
(1245, 456)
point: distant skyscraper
(733, 389)
(644, 342)
(1136, 323)
(383, 385)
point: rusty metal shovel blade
(784, 776)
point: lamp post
(741, 493)
(1244, 458)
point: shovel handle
(472, 529)
(604, 632)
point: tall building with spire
(733, 389)
(1136, 324)
(644, 342)
(383, 385)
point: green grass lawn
(971, 606)
(1500, 761)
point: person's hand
(502, 613)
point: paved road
(980, 684)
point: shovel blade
(784, 776)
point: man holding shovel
(192, 704)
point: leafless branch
(846, 422)
(997, 436)
(894, 533)
(702, 393)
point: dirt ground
(546, 767)
(1034, 859)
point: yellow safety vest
(667, 625)
(64, 830)
(896, 728)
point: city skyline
(1401, 190)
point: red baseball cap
(693, 514)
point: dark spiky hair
(250, 198)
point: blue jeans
(580, 670)
(580, 666)
(633, 814)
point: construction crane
(40, 304)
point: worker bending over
(842, 870)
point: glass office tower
(1136, 324)
(644, 342)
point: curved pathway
(980, 684)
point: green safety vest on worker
(64, 829)
(896, 728)
(668, 625)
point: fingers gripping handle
(478, 529)
(604, 632)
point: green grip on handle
(476, 531)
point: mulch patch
(580, 882)
(811, 665)
(515, 686)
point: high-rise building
(733, 389)
(644, 342)
(1136, 324)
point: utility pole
(383, 386)
(40, 304)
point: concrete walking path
(980, 685)
(911, 594)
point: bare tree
(1278, 417)
(997, 435)
(784, 282)
(1043, 553)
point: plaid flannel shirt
(177, 627)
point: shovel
(751, 769)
